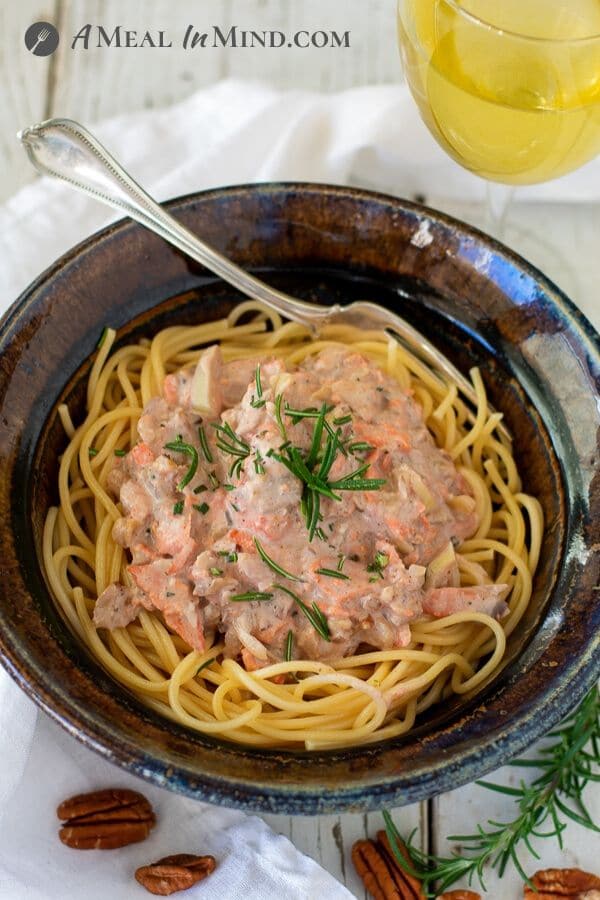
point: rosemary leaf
(333, 573)
(250, 596)
(278, 419)
(204, 444)
(272, 564)
(204, 665)
(289, 646)
(180, 446)
(259, 401)
(315, 616)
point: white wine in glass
(509, 88)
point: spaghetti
(302, 703)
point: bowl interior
(325, 245)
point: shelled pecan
(381, 873)
(103, 820)
(552, 883)
(174, 873)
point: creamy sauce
(387, 549)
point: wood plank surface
(329, 839)
(23, 87)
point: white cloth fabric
(253, 862)
(229, 133)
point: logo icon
(41, 39)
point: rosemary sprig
(333, 573)
(259, 400)
(311, 412)
(278, 419)
(279, 570)
(313, 468)
(343, 420)
(360, 447)
(229, 442)
(258, 464)
(204, 444)
(249, 596)
(567, 766)
(355, 482)
(204, 665)
(289, 646)
(315, 615)
(180, 446)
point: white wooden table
(92, 84)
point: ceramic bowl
(481, 304)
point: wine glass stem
(497, 201)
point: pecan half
(381, 873)
(553, 883)
(174, 873)
(103, 820)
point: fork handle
(66, 150)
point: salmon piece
(386, 436)
(243, 540)
(483, 598)
(124, 531)
(116, 607)
(135, 501)
(173, 598)
(142, 454)
(402, 637)
(173, 536)
(142, 552)
(251, 663)
(271, 634)
(117, 476)
(170, 391)
(183, 614)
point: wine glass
(509, 88)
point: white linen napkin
(231, 132)
(253, 863)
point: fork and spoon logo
(41, 38)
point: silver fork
(65, 149)
(44, 33)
